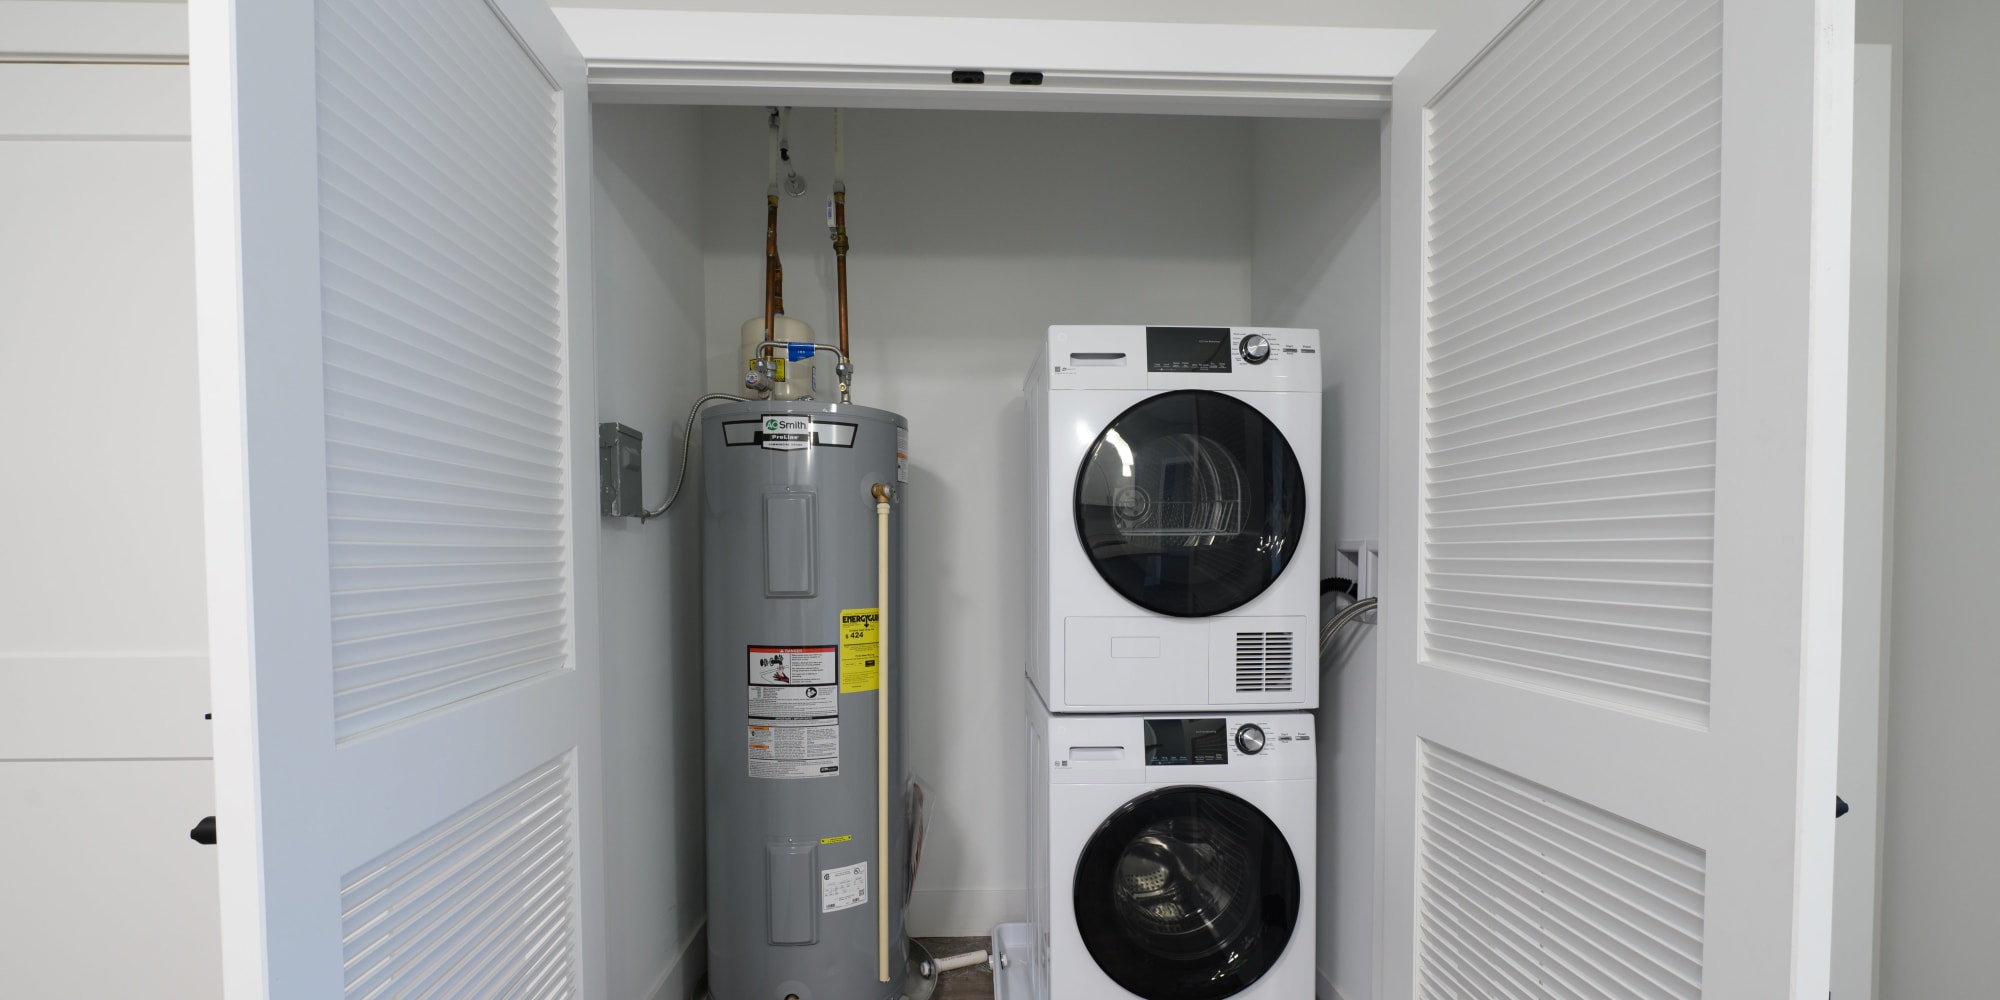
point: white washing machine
(1170, 857)
(1174, 498)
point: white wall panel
(647, 225)
(107, 896)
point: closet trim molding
(704, 57)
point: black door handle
(204, 831)
(1839, 807)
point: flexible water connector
(1331, 630)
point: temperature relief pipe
(882, 493)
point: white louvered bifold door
(393, 264)
(1616, 418)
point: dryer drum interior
(1190, 503)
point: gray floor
(975, 983)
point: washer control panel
(1185, 742)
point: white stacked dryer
(1174, 519)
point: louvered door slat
(1570, 381)
(1561, 887)
(484, 892)
(1642, 50)
(443, 347)
(1568, 129)
(1489, 272)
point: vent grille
(1570, 356)
(1528, 894)
(443, 345)
(480, 905)
(1263, 662)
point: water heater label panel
(793, 707)
(843, 888)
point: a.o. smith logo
(787, 432)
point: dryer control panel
(1221, 358)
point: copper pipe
(772, 294)
(840, 261)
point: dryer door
(1190, 503)
(1187, 893)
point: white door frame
(698, 57)
(1870, 471)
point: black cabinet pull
(1839, 807)
(204, 831)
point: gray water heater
(794, 675)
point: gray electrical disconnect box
(619, 492)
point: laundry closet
(1519, 449)
(972, 233)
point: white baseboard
(963, 912)
(677, 982)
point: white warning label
(902, 454)
(843, 888)
(794, 665)
(794, 711)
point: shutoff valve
(762, 376)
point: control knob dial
(1254, 348)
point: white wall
(648, 257)
(1316, 263)
(971, 234)
(1941, 873)
(104, 754)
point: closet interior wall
(972, 233)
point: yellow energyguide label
(836, 840)
(860, 650)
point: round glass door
(1186, 894)
(1190, 504)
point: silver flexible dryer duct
(687, 444)
(1330, 631)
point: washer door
(1190, 504)
(1187, 893)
